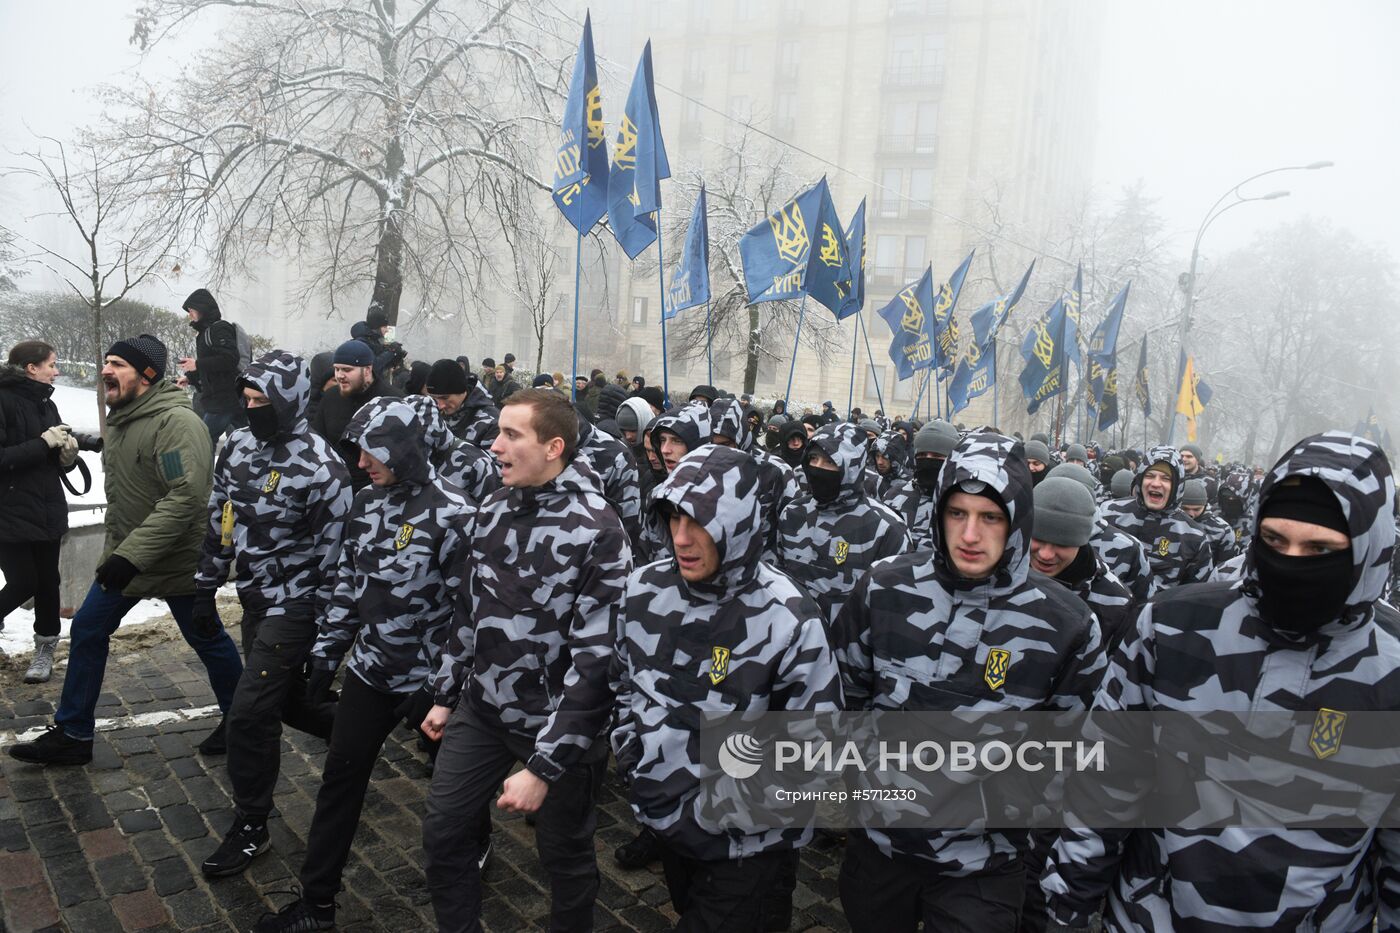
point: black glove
(318, 686)
(204, 617)
(116, 573)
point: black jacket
(217, 361)
(32, 504)
(332, 418)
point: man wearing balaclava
(913, 498)
(1038, 459)
(1178, 550)
(1302, 632)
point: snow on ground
(18, 634)
(78, 409)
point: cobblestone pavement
(117, 845)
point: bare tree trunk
(388, 270)
(97, 355)
(752, 349)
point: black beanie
(377, 318)
(1305, 499)
(446, 378)
(202, 301)
(145, 353)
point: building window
(921, 190)
(891, 184)
(739, 108)
(741, 59)
(639, 310)
(887, 267)
(873, 373)
(789, 58)
(914, 257)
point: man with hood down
(276, 517)
(1177, 549)
(828, 539)
(711, 627)
(967, 626)
(1195, 504)
(525, 673)
(1303, 630)
(465, 405)
(777, 484)
(914, 498)
(1121, 553)
(398, 573)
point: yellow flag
(1188, 402)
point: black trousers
(725, 895)
(471, 764)
(891, 895)
(363, 721)
(272, 691)
(31, 572)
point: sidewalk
(117, 845)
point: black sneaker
(54, 747)
(483, 857)
(214, 743)
(297, 917)
(639, 853)
(244, 842)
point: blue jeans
(218, 422)
(97, 619)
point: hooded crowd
(542, 579)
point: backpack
(245, 347)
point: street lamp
(1187, 281)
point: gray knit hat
(1076, 452)
(1122, 484)
(1194, 492)
(936, 437)
(1195, 451)
(1079, 474)
(1037, 450)
(869, 425)
(1064, 512)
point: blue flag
(910, 317)
(977, 370)
(800, 250)
(1044, 350)
(1103, 361)
(1074, 302)
(946, 333)
(639, 163)
(581, 162)
(690, 283)
(855, 250)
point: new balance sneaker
(54, 747)
(243, 843)
(297, 917)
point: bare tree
(535, 274)
(752, 183)
(382, 142)
(110, 201)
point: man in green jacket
(157, 462)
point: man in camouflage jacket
(617, 469)
(673, 435)
(967, 626)
(1197, 508)
(827, 544)
(915, 498)
(711, 628)
(525, 673)
(1303, 629)
(777, 483)
(1121, 553)
(887, 465)
(389, 611)
(461, 463)
(1177, 549)
(276, 516)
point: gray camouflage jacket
(277, 509)
(917, 636)
(1177, 548)
(537, 613)
(746, 640)
(828, 547)
(916, 507)
(1125, 558)
(615, 466)
(1253, 878)
(399, 566)
(476, 421)
(463, 464)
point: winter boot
(41, 668)
(54, 747)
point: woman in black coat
(35, 447)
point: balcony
(895, 208)
(908, 143)
(904, 10)
(914, 76)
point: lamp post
(1187, 281)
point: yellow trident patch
(843, 550)
(1162, 547)
(401, 539)
(998, 663)
(273, 479)
(912, 321)
(831, 247)
(790, 233)
(1326, 738)
(719, 664)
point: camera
(88, 442)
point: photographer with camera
(35, 448)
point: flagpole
(661, 275)
(578, 274)
(855, 345)
(996, 419)
(787, 400)
(709, 347)
(871, 356)
(919, 398)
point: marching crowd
(534, 585)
